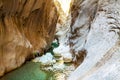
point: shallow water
(29, 71)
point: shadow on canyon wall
(26, 26)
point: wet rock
(63, 51)
(60, 76)
(46, 59)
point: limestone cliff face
(83, 13)
(26, 26)
(95, 36)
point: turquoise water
(29, 71)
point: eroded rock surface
(96, 30)
(26, 26)
(90, 31)
(93, 39)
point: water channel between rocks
(29, 71)
(35, 71)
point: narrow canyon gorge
(79, 37)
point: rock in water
(63, 51)
(46, 59)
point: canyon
(88, 33)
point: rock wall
(83, 13)
(95, 36)
(63, 28)
(26, 26)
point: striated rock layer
(95, 39)
(26, 26)
(90, 31)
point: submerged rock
(29, 71)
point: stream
(36, 71)
(29, 71)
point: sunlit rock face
(63, 29)
(83, 13)
(95, 32)
(26, 26)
